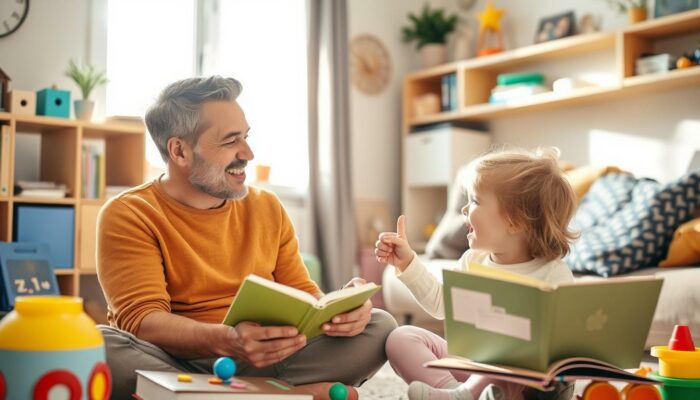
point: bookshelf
(613, 52)
(60, 161)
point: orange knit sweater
(154, 253)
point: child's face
(487, 227)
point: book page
(343, 293)
(288, 290)
(508, 276)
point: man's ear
(179, 152)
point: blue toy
(224, 368)
(338, 391)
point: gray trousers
(351, 360)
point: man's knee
(381, 324)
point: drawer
(427, 159)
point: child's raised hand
(393, 247)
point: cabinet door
(88, 233)
(427, 158)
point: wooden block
(22, 102)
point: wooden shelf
(43, 200)
(92, 202)
(677, 78)
(672, 25)
(88, 272)
(64, 271)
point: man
(172, 253)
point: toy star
(490, 18)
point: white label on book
(466, 304)
(476, 308)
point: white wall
(653, 136)
(37, 54)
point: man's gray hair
(176, 111)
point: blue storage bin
(53, 103)
(53, 225)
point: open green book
(271, 303)
(507, 319)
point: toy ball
(338, 391)
(224, 368)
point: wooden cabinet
(60, 162)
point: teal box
(53, 103)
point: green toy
(338, 391)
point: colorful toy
(49, 342)
(679, 366)
(184, 378)
(224, 368)
(490, 27)
(338, 391)
(633, 391)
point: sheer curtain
(329, 143)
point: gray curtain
(329, 142)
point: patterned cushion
(627, 223)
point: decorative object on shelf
(489, 30)
(370, 64)
(13, 15)
(87, 78)
(426, 104)
(589, 23)
(25, 270)
(49, 345)
(22, 102)
(668, 7)
(463, 42)
(430, 30)
(516, 87)
(653, 63)
(4, 87)
(555, 27)
(636, 9)
(53, 102)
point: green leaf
(85, 77)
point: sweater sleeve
(290, 269)
(424, 286)
(129, 266)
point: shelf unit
(617, 51)
(60, 155)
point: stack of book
(515, 87)
(448, 87)
(653, 64)
(92, 161)
(40, 189)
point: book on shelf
(92, 163)
(155, 385)
(271, 303)
(515, 92)
(40, 189)
(566, 370)
(4, 160)
(492, 316)
(448, 91)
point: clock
(370, 64)
(12, 15)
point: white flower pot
(433, 54)
(83, 109)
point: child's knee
(400, 340)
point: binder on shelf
(50, 224)
(92, 162)
(5, 160)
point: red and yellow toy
(679, 366)
(633, 391)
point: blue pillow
(627, 223)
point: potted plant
(87, 79)
(430, 30)
(636, 9)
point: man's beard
(209, 179)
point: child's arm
(393, 248)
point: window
(261, 43)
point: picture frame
(555, 27)
(663, 8)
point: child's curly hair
(533, 195)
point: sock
(452, 391)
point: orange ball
(600, 391)
(683, 62)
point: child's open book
(567, 370)
(507, 319)
(270, 303)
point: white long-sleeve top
(428, 290)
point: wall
(658, 134)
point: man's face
(222, 152)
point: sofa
(632, 219)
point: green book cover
(530, 324)
(273, 304)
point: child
(517, 216)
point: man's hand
(261, 346)
(351, 323)
(393, 247)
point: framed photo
(555, 27)
(668, 7)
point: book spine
(306, 324)
(453, 92)
(5, 161)
(549, 301)
(445, 93)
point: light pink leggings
(409, 347)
